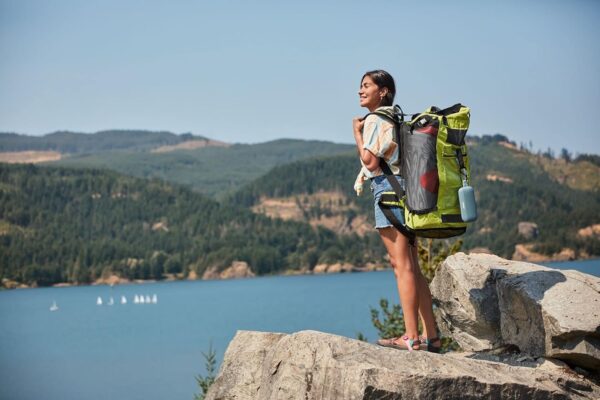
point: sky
(253, 71)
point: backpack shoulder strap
(395, 116)
(391, 178)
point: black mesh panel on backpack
(419, 165)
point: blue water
(591, 267)
(153, 351)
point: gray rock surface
(485, 302)
(311, 365)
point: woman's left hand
(357, 124)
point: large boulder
(311, 365)
(485, 302)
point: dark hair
(383, 80)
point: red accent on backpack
(428, 130)
(430, 181)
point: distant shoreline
(122, 281)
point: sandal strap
(410, 343)
(429, 344)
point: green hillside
(534, 195)
(74, 225)
(60, 224)
(211, 170)
(511, 186)
(77, 143)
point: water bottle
(466, 198)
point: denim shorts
(380, 184)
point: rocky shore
(241, 269)
(526, 332)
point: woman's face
(370, 94)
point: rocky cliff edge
(530, 333)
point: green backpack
(434, 162)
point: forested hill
(61, 224)
(74, 143)
(214, 171)
(512, 185)
(207, 166)
(74, 225)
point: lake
(153, 351)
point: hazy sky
(251, 71)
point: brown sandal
(402, 343)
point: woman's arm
(369, 159)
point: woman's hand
(357, 124)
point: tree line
(74, 225)
(531, 195)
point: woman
(375, 138)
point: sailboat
(148, 299)
(53, 307)
(154, 299)
(142, 301)
(99, 301)
(123, 300)
(136, 299)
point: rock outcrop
(498, 178)
(485, 302)
(529, 230)
(311, 365)
(111, 279)
(323, 208)
(189, 145)
(10, 284)
(524, 252)
(333, 268)
(589, 232)
(34, 157)
(237, 269)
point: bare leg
(406, 276)
(425, 301)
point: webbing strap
(452, 218)
(387, 211)
(390, 199)
(391, 178)
(460, 159)
(394, 120)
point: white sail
(123, 300)
(53, 307)
(148, 299)
(136, 299)
(154, 299)
(99, 301)
(142, 301)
